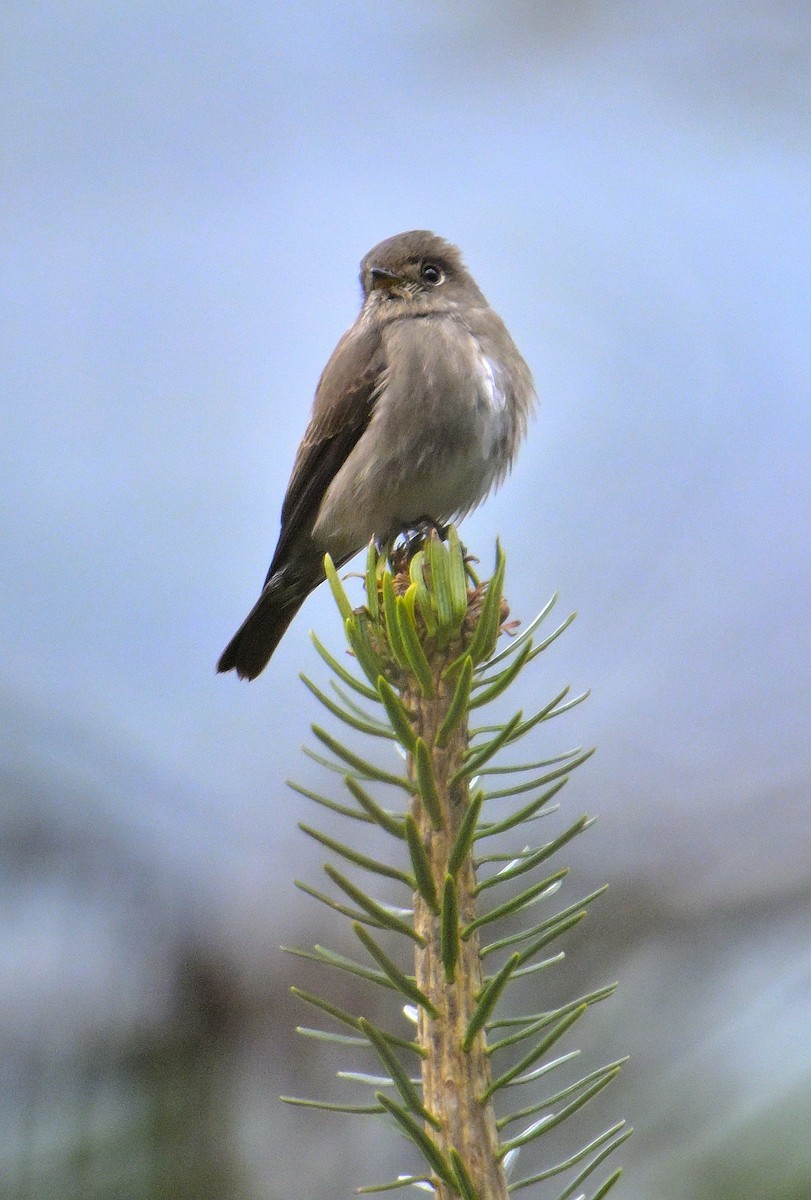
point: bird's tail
(249, 650)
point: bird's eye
(431, 273)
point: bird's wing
(344, 402)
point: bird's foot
(416, 533)
(427, 525)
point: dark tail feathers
(250, 648)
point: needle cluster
(426, 645)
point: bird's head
(416, 270)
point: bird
(417, 416)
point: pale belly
(442, 434)
(438, 462)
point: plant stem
(454, 1079)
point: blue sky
(187, 192)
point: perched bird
(417, 415)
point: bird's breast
(439, 372)
(439, 435)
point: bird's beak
(381, 278)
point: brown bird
(417, 415)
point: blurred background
(187, 190)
